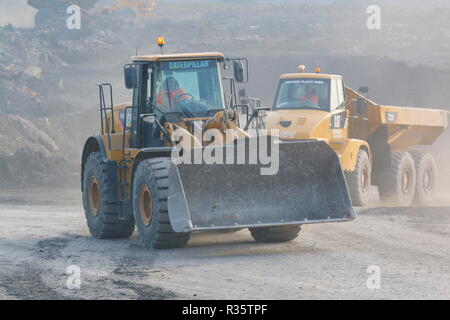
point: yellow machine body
(406, 126)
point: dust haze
(48, 96)
(48, 107)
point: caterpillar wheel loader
(372, 141)
(131, 173)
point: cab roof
(309, 75)
(179, 56)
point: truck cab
(305, 104)
(314, 106)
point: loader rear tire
(275, 234)
(398, 184)
(150, 189)
(426, 174)
(100, 195)
(358, 181)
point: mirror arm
(255, 113)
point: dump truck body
(143, 168)
(365, 135)
(406, 126)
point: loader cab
(172, 88)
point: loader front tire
(275, 234)
(398, 183)
(426, 174)
(150, 189)
(358, 181)
(100, 196)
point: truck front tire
(358, 181)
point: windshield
(303, 94)
(190, 86)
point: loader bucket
(309, 187)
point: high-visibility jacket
(164, 96)
(312, 99)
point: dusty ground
(42, 232)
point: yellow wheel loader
(372, 141)
(150, 166)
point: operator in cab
(310, 96)
(169, 94)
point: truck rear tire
(358, 181)
(275, 234)
(150, 189)
(100, 195)
(398, 184)
(426, 174)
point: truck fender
(348, 153)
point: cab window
(303, 93)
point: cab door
(141, 134)
(338, 120)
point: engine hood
(300, 124)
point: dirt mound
(42, 125)
(28, 167)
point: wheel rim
(406, 181)
(94, 196)
(364, 179)
(145, 205)
(427, 180)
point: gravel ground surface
(43, 232)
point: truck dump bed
(407, 126)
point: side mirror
(238, 71)
(363, 89)
(130, 76)
(338, 120)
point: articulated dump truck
(150, 166)
(372, 141)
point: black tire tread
(354, 179)
(419, 158)
(106, 225)
(388, 189)
(275, 234)
(165, 237)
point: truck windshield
(303, 94)
(189, 86)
